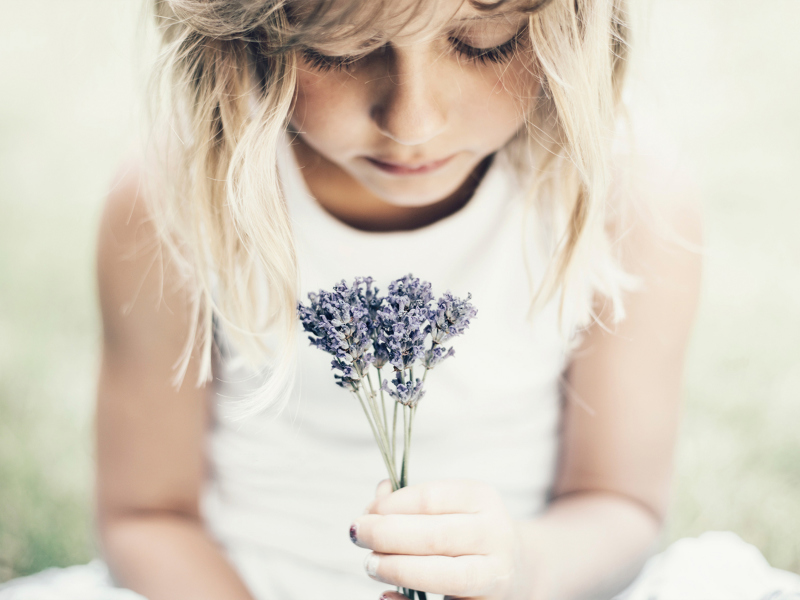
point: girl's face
(410, 122)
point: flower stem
(383, 405)
(408, 439)
(373, 401)
(394, 434)
(406, 448)
(377, 418)
(389, 465)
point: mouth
(408, 168)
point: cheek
(327, 110)
(498, 99)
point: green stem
(377, 418)
(389, 465)
(408, 440)
(374, 395)
(383, 405)
(405, 449)
(394, 434)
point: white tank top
(282, 492)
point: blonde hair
(224, 87)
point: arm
(616, 463)
(150, 436)
(611, 493)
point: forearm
(165, 556)
(587, 545)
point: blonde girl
(478, 144)
(399, 117)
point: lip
(406, 168)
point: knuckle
(427, 499)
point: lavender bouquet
(401, 330)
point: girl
(474, 143)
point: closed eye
(325, 62)
(495, 54)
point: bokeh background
(722, 77)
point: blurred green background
(722, 76)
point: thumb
(384, 489)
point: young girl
(478, 145)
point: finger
(423, 535)
(466, 576)
(436, 498)
(384, 489)
(392, 595)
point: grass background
(723, 76)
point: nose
(408, 106)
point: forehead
(368, 23)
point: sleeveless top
(282, 491)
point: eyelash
(496, 54)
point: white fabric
(717, 565)
(284, 492)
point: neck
(350, 202)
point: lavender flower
(450, 318)
(339, 324)
(401, 322)
(406, 393)
(436, 355)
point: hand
(451, 537)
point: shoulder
(143, 303)
(656, 207)
(655, 224)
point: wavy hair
(223, 90)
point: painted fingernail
(353, 536)
(371, 565)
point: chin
(413, 196)
(414, 192)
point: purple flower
(339, 324)
(450, 318)
(436, 355)
(359, 328)
(406, 393)
(402, 322)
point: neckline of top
(491, 192)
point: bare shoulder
(141, 296)
(660, 229)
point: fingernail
(383, 597)
(371, 565)
(353, 535)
